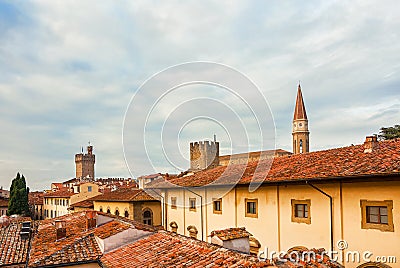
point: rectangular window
(301, 211)
(217, 206)
(377, 215)
(251, 208)
(192, 204)
(173, 202)
(89, 188)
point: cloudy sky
(69, 70)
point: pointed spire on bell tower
(300, 125)
(300, 109)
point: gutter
(330, 208)
(201, 211)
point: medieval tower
(301, 135)
(204, 154)
(84, 164)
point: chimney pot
(370, 144)
(91, 219)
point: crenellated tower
(84, 164)
(301, 134)
(204, 155)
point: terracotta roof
(61, 193)
(82, 250)
(124, 194)
(3, 202)
(300, 109)
(35, 198)
(135, 224)
(231, 233)
(13, 250)
(343, 163)
(79, 245)
(58, 184)
(83, 204)
(271, 153)
(151, 176)
(165, 249)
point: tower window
(301, 146)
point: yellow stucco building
(59, 202)
(132, 203)
(346, 200)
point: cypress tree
(18, 203)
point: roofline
(72, 263)
(114, 200)
(344, 179)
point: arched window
(148, 216)
(108, 210)
(126, 214)
(116, 212)
(101, 209)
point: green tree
(389, 133)
(18, 203)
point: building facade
(311, 200)
(131, 203)
(35, 200)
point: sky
(78, 71)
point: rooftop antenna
(215, 138)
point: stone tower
(204, 154)
(301, 135)
(84, 164)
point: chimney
(25, 230)
(61, 229)
(370, 144)
(90, 219)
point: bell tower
(301, 135)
